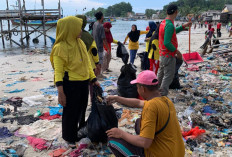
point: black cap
(172, 8)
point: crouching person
(158, 131)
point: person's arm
(214, 35)
(94, 53)
(179, 29)
(106, 45)
(92, 76)
(132, 139)
(125, 39)
(143, 32)
(103, 36)
(59, 73)
(179, 55)
(129, 102)
(169, 30)
(115, 41)
(59, 70)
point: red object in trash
(193, 133)
(191, 57)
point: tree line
(186, 7)
(196, 7)
(116, 10)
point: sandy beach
(31, 74)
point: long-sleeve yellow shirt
(134, 45)
(60, 67)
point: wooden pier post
(3, 42)
(10, 34)
(21, 27)
(59, 10)
(44, 31)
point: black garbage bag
(125, 89)
(122, 53)
(101, 118)
(216, 42)
(145, 63)
(176, 82)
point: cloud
(70, 7)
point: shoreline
(32, 72)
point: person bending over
(158, 130)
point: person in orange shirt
(158, 130)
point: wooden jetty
(25, 16)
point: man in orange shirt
(158, 130)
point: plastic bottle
(38, 113)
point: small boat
(129, 19)
(35, 22)
(110, 19)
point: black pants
(73, 118)
(218, 32)
(176, 82)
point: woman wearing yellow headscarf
(73, 71)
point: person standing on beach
(73, 72)
(209, 26)
(168, 46)
(158, 132)
(153, 50)
(109, 38)
(152, 28)
(219, 25)
(92, 51)
(133, 36)
(100, 39)
(90, 44)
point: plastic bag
(125, 89)
(145, 63)
(56, 110)
(122, 53)
(35, 100)
(102, 117)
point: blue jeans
(133, 55)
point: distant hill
(197, 6)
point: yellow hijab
(69, 48)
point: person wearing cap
(158, 131)
(168, 48)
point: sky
(72, 7)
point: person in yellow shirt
(72, 74)
(90, 45)
(133, 36)
(158, 131)
(153, 51)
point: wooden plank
(21, 28)
(222, 38)
(44, 32)
(13, 41)
(8, 21)
(3, 42)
